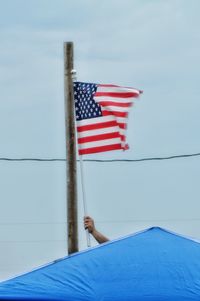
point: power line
(33, 241)
(147, 159)
(189, 219)
(97, 160)
(32, 159)
(175, 219)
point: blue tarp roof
(153, 265)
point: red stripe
(126, 146)
(122, 125)
(123, 138)
(117, 94)
(99, 137)
(115, 104)
(117, 114)
(96, 126)
(99, 149)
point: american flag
(101, 116)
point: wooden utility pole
(70, 150)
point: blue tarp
(153, 265)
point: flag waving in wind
(101, 116)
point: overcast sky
(153, 45)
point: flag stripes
(101, 114)
(99, 149)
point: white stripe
(114, 129)
(117, 89)
(95, 120)
(100, 143)
(121, 120)
(115, 109)
(115, 99)
(123, 132)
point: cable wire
(99, 160)
(175, 219)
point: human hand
(89, 224)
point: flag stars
(86, 106)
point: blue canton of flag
(85, 105)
